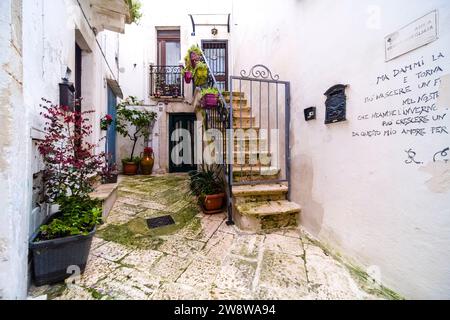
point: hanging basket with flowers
(106, 121)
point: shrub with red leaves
(70, 160)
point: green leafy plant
(79, 216)
(187, 58)
(133, 123)
(207, 181)
(135, 10)
(200, 74)
(209, 90)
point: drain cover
(160, 222)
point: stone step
(252, 171)
(235, 94)
(237, 101)
(259, 190)
(243, 115)
(266, 215)
(265, 208)
(107, 194)
(244, 126)
(244, 122)
(239, 108)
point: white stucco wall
(357, 193)
(33, 59)
(14, 153)
(49, 47)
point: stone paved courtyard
(200, 257)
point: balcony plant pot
(214, 202)
(188, 76)
(130, 168)
(52, 258)
(210, 101)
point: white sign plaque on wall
(412, 36)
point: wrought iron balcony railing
(166, 82)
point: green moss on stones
(97, 295)
(171, 192)
(55, 291)
(122, 234)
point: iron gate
(262, 116)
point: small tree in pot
(70, 164)
(133, 124)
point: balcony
(166, 82)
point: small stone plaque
(412, 36)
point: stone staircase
(256, 206)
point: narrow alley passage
(200, 257)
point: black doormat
(160, 222)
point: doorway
(181, 142)
(111, 133)
(216, 53)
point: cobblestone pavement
(200, 257)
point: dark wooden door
(216, 53)
(181, 142)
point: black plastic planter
(52, 258)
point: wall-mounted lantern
(335, 104)
(67, 94)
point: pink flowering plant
(106, 121)
(70, 159)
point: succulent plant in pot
(133, 124)
(209, 97)
(200, 74)
(208, 185)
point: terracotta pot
(210, 100)
(130, 168)
(147, 165)
(214, 201)
(188, 76)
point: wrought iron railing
(218, 118)
(166, 82)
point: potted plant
(208, 185)
(147, 161)
(209, 97)
(65, 238)
(134, 124)
(187, 74)
(193, 56)
(105, 122)
(109, 173)
(200, 74)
